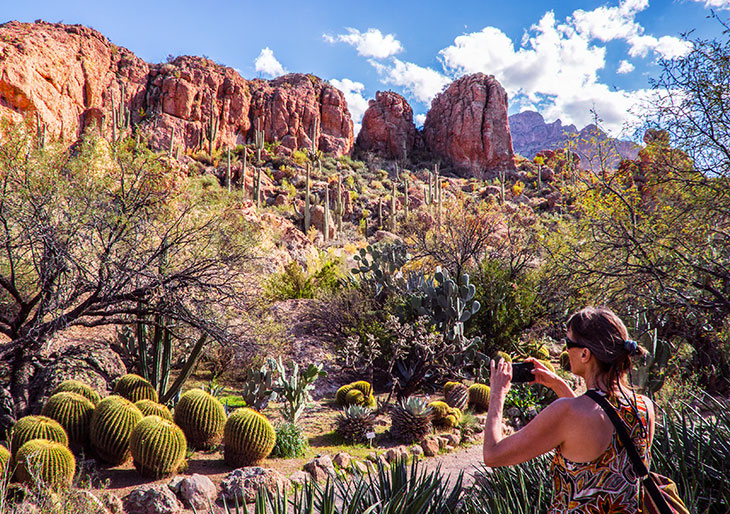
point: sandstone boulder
(430, 447)
(320, 468)
(387, 127)
(242, 484)
(152, 499)
(197, 490)
(467, 125)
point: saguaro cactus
(258, 141)
(327, 212)
(212, 127)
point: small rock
(152, 499)
(197, 491)
(342, 460)
(320, 468)
(359, 467)
(111, 501)
(372, 457)
(442, 442)
(416, 450)
(299, 477)
(430, 447)
(392, 455)
(448, 448)
(243, 483)
(454, 439)
(403, 451)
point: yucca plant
(411, 420)
(354, 423)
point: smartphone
(522, 372)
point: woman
(591, 472)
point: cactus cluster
(354, 423)
(248, 438)
(111, 426)
(73, 412)
(356, 393)
(36, 427)
(78, 387)
(456, 395)
(202, 418)
(444, 415)
(49, 462)
(158, 447)
(479, 396)
(411, 420)
(150, 408)
(135, 388)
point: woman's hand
(548, 378)
(500, 378)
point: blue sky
(561, 59)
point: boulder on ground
(152, 499)
(242, 484)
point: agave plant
(411, 420)
(355, 422)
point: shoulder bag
(660, 493)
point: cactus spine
(202, 418)
(50, 462)
(75, 386)
(249, 438)
(243, 171)
(150, 408)
(228, 168)
(326, 212)
(111, 426)
(121, 118)
(392, 209)
(36, 427)
(257, 187)
(158, 447)
(339, 209)
(73, 412)
(307, 203)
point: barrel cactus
(4, 461)
(202, 417)
(73, 412)
(49, 462)
(448, 386)
(565, 361)
(37, 427)
(364, 386)
(341, 394)
(78, 387)
(503, 355)
(135, 388)
(111, 426)
(444, 415)
(249, 438)
(354, 397)
(457, 396)
(158, 447)
(548, 365)
(479, 396)
(150, 408)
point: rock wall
(468, 125)
(387, 127)
(71, 76)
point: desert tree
(83, 232)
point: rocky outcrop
(387, 127)
(468, 125)
(531, 135)
(72, 76)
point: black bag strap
(639, 466)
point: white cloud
(267, 64)
(625, 67)
(419, 119)
(715, 4)
(423, 83)
(668, 47)
(368, 44)
(356, 102)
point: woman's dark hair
(601, 331)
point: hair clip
(631, 346)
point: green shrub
(290, 441)
(294, 282)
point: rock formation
(468, 125)
(72, 76)
(387, 127)
(531, 135)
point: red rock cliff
(468, 125)
(387, 127)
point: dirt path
(466, 460)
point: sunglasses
(569, 343)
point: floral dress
(608, 484)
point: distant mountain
(530, 134)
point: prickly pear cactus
(249, 438)
(135, 388)
(73, 412)
(36, 427)
(111, 426)
(202, 417)
(78, 387)
(479, 396)
(48, 461)
(158, 447)
(150, 408)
